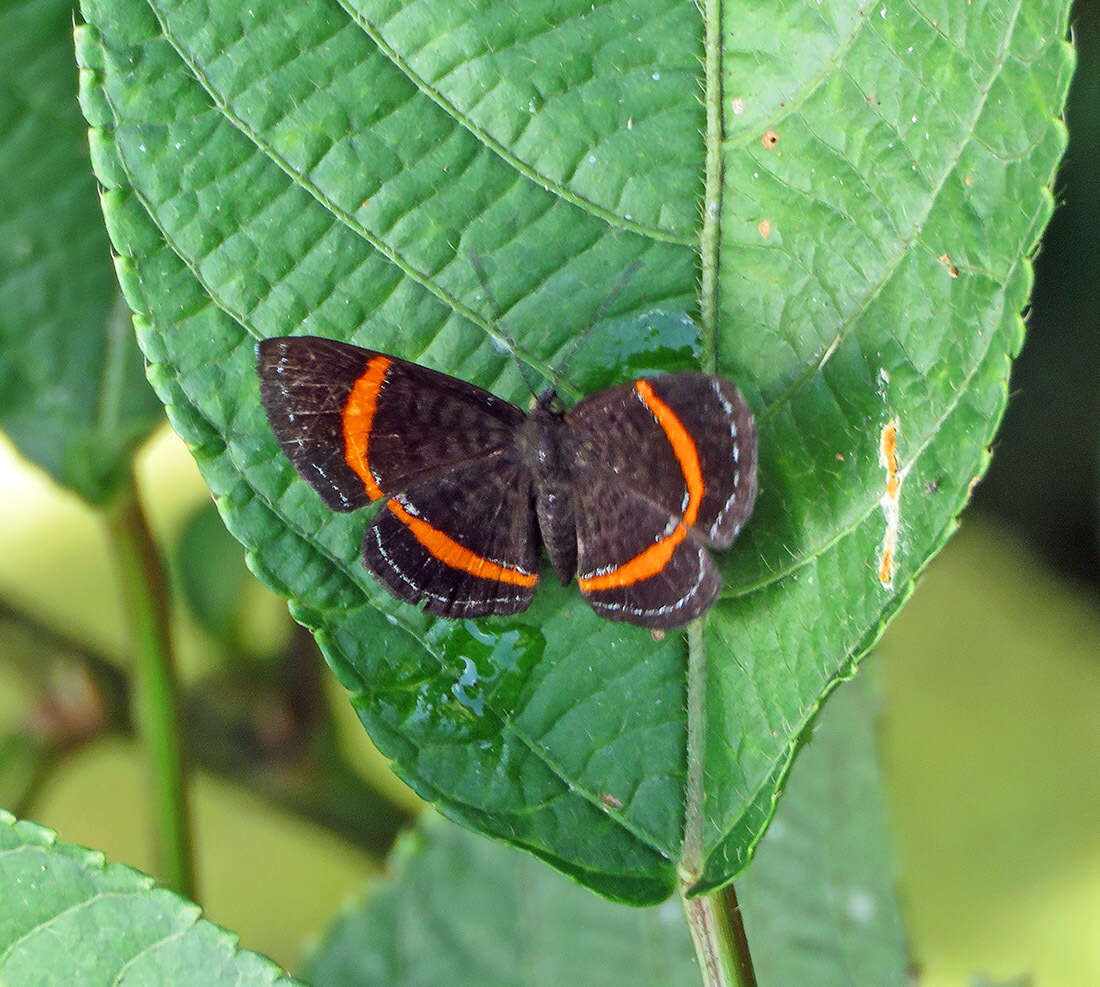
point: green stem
(691, 853)
(717, 931)
(145, 600)
(718, 935)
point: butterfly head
(548, 405)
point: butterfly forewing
(721, 427)
(360, 425)
(304, 386)
(426, 423)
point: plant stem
(717, 931)
(718, 935)
(691, 853)
(145, 599)
(709, 236)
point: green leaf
(66, 917)
(460, 909)
(73, 394)
(314, 168)
(818, 899)
(212, 573)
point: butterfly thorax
(544, 445)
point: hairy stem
(718, 935)
(691, 853)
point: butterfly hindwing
(651, 571)
(360, 425)
(464, 543)
(684, 441)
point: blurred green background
(990, 676)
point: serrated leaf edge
(34, 836)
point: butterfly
(626, 490)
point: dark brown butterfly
(627, 489)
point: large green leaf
(310, 167)
(67, 918)
(818, 901)
(459, 909)
(73, 396)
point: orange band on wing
(652, 560)
(358, 418)
(457, 556)
(642, 566)
(682, 445)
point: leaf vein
(299, 180)
(895, 262)
(545, 181)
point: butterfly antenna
(624, 278)
(513, 349)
